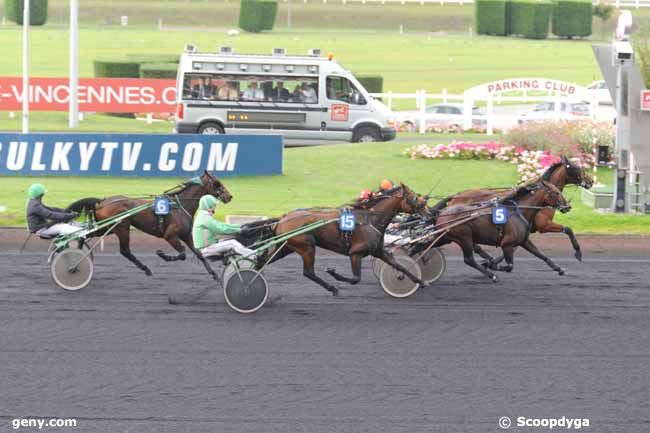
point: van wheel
(367, 134)
(211, 128)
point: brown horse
(559, 174)
(371, 219)
(174, 227)
(523, 204)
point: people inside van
(280, 93)
(309, 94)
(229, 92)
(209, 89)
(253, 93)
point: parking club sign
(645, 100)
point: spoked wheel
(377, 263)
(72, 269)
(246, 291)
(432, 265)
(229, 269)
(397, 284)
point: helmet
(36, 190)
(386, 185)
(365, 194)
(207, 202)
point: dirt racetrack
(455, 357)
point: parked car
(601, 92)
(443, 116)
(546, 111)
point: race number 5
(346, 222)
(161, 206)
(499, 215)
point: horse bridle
(555, 196)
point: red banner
(102, 95)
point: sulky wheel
(394, 282)
(229, 269)
(378, 263)
(72, 269)
(246, 291)
(432, 265)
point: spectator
(209, 89)
(309, 94)
(229, 92)
(253, 93)
(280, 93)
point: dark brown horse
(559, 174)
(371, 217)
(174, 227)
(523, 205)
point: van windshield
(289, 89)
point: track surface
(455, 357)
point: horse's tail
(84, 206)
(258, 231)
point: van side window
(341, 89)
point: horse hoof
(561, 272)
(330, 270)
(494, 279)
(335, 291)
(160, 253)
(579, 255)
(148, 272)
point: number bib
(346, 221)
(499, 215)
(161, 206)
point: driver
(47, 221)
(207, 230)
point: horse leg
(388, 258)
(508, 253)
(468, 256)
(355, 263)
(197, 253)
(124, 236)
(172, 238)
(551, 227)
(489, 261)
(308, 255)
(531, 248)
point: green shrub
(490, 17)
(158, 70)
(530, 18)
(372, 83)
(37, 11)
(117, 68)
(572, 18)
(257, 15)
(154, 58)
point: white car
(444, 116)
(546, 111)
(601, 92)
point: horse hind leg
(355, 263)
(388, 258)
(468, 256)
(489, 262)
(308, 255)
(125, 249)
(172, 239)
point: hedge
(37, 11)
(153, 58)
(117, 68)
(530, 18)
(372, 83)
(490, 17)
(158, 70)
(257, 15)
(572, 18)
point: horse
(469, 225)
(174, 227)
(371, 216)
(560, 174)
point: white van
(305, 97)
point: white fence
(489, 120)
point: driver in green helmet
(47, 221)
(207, 231)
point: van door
(344, 106)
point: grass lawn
(321, 176)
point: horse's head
(215, 187)
(553, 197)
(575, 174)
(413, 202)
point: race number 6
(161, 206)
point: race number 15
(347, 222)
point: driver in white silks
(207, 231)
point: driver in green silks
(207, 230)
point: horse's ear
(564, 159)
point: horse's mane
(376, 198)
(522, 191)
(549, 171)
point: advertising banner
(181, 155)
(98, 95)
